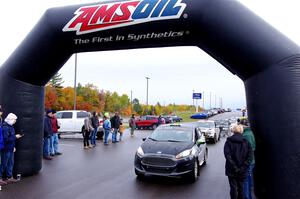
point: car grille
(158, 161)
(163, 170)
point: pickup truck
(147, 121)
(72, 121)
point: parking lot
(108, 172)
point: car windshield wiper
(152, 139)
(173, 141)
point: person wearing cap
(7, 155)
(54, 138)
(115, 125)
(106, 127)
(249, 136)
(48, 132)
(238, 154)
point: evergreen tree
(56, 82)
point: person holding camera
(7, 154)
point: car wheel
(138, 174)
(193, 176)
(215, 139)
(205, 158)
(154, 126)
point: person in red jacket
(55, 127)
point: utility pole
(147, 92)
(131, 102)
(203, 100)
(209, 100)
(215, 101)
(193, 98)
(75, 81)
(196, 105)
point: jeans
(236, 188)
(1, 164)
(54, 144)
(93, 136)
(51, 147)
(248, 183)
(7, 163)
(106, 134)
(46, 150)
(114, 135)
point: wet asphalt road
(107, 172)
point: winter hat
(106, 115)
(48, 111)
(244, 121)
(10, 118)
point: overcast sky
(174, 72)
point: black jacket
(95, 122)
(238, 154)
(47, 127)
(115, 122)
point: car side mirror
(144, 139)
(200, 141)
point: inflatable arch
(267, 62)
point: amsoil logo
(118, 14)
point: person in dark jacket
(48, 132)
(1, 113)
(159, 119)
(95, 125)
(115, 125)
(238, 155)
(7, 155)
(1, 146)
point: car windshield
(172, 135)
(206, 125)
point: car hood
(164, 147)
(204, 129)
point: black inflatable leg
(273, 102)
(27, 102)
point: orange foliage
(50, 97)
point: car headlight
(140, 151)
(184, 154)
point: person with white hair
(7, 154)
(238, 155)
